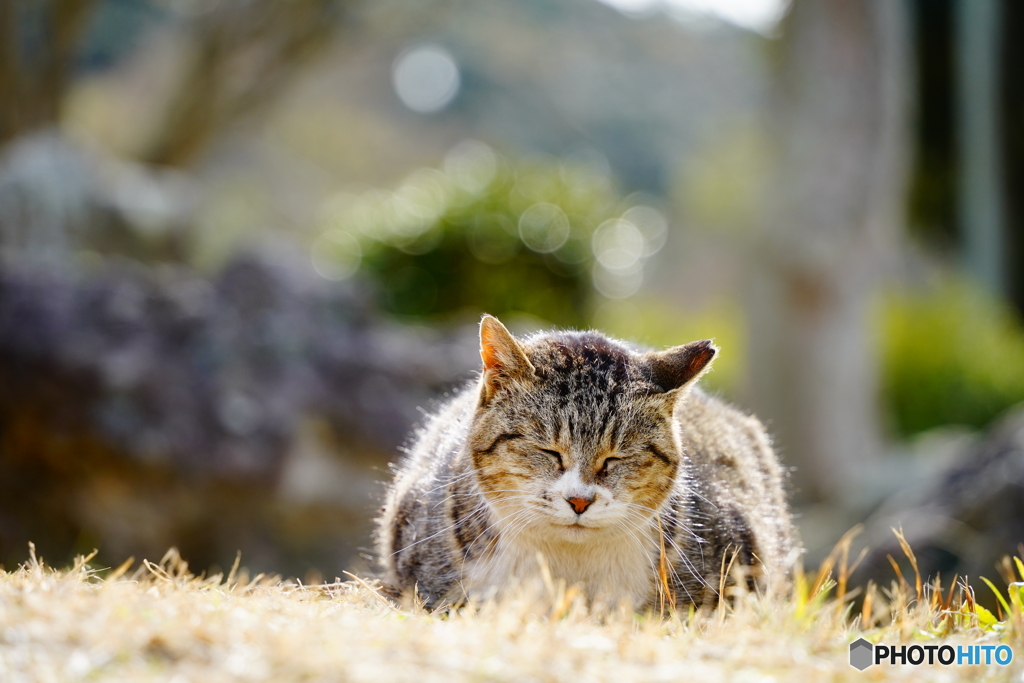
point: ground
(158, 622)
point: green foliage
(477, 235)
(950, 356)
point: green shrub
(481, 234)
(953, 355)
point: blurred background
(245, 243)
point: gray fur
(676, 484)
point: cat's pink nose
(579, 505)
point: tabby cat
(603, 461)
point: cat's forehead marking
(582, 363)
(588, 388)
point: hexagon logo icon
(861, 654)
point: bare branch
(245, 55)
(33, 90)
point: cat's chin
(576, 532)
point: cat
(603, 463)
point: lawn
(159, 622)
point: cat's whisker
(694, 492)
(684, 557)
(671, 567)
(686, 560)
(653, 511)
(437, 533)
(449, 482)
(643, 549)
(513, 526)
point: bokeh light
(618, 244)
(426, 78)
(336, 255)
(472, 164)
(762, 16)
(652, 225)
(544, 227)
(621, 283)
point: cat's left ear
(504, 358)
(681, 366)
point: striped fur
(681, 484)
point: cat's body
(604, 461)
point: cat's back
(434, 446)
(423, 527)
(738, 483)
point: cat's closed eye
(555, 456)
(609, 461)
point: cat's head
(573, 434)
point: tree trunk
(979, 183)
(839, 116)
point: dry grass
(161, 623)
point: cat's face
(574, 433)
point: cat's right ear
(680, 366)
(504, 358)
